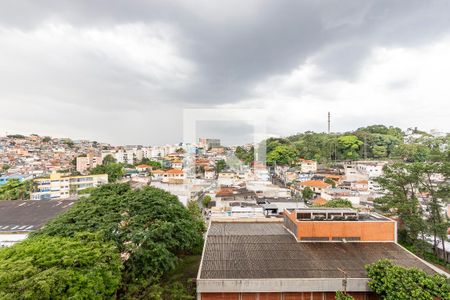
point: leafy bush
(393, 282)
(82, 267)
(338, 202)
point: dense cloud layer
(123, 71)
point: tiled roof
(315, 183)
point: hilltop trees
(371, 142)
(349, 146)
(283, 155)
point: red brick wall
(283, 296)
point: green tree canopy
(393, 282)
(307, 193)
(114, 170)
(220, 165)
(14, 189)
(82, 267)
(349, 145)
(149, 226)
(338, 202)
(109, 159)
(283, 155)
(206, 200)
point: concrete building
(173, 176)
(371, 168)
(226, 178)
(210, 173)
(308, 166)
(87, 162)
(58, 186)
(303, 258)
(316, 186)
(208, 143)
(21, 178)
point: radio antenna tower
(329, 122)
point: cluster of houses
(25, 157)
(353, 181)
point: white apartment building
(371, 169)
(308, 166)
(58, 186)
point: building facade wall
(365, 231)
(284, 296)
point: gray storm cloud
(122, 71)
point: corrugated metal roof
(267, 250)
(29, 215)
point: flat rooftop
(336, 214)
(18, 216)
(268, 250)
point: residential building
(21, 178)
(209, 143)
(177, 164)
(332, 193)
(316, 186)
(308, 166)
(58, 186)
(173, 176)
(371, 168)
(210, 173)
(143, 168)
(226, 178)
(87, 162)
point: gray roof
(29, 215)
(267, 250)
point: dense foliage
(115, 171)
(307, 193)
(393, 282)
(371, 142)
(343, 296)
(151, 163)
(417, 200)
(338, 203)
(82, 267)
(149, 227)
(220, 165)
(14, 189)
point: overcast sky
(124, 71)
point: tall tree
(401, 184)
